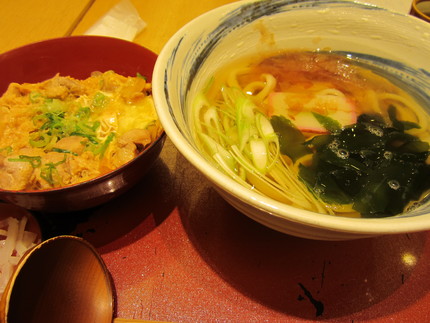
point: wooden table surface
(24, 21)
(178, 252)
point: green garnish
(54, 123)
(7, 149)
(33, 96)
(83, 113)
(330, 124)
(100, 150)
(92, 138)
(47, 173)
(243, 143)
(141, 76)
(35, 161)
(99, 100)
(58, 150)
(39, 140)
(401, 125)
(291, 139)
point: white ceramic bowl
(393, 41)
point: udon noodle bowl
(317, 130)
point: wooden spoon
(62, 279)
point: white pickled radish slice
(15, 240)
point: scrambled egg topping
(64, 131)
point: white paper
(122, 21)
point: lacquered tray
(178, 252)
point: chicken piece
(139, 137)
(4, 118)
(133, 89)
(30, 151)
(130, 145)
(16, 94)
(14, 175)
(125, 154)
(75, 144)
(60, 87)
(81, 168)
(17, 90)
(111, 82)
(53, 157)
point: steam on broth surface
(318, 131)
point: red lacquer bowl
(78, 56)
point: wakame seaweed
(374, 166)
(291, 139)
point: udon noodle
(318, 131)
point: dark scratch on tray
(141, 310)
(153, 292)
(150, 304)
(403, 279)
(323, 274)
(319, 306)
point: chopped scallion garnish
(66, 151)
(35, 161)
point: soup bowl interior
(393, 42)
(78, 57)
